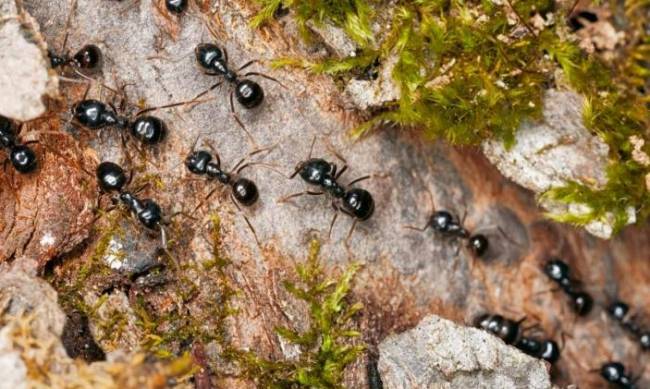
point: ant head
(88, 57)
(23, 159)
(556, 269)
(359, 202)
(612, 371)
(207, 54)
(197, 162)
(478, 244)
(249, 93)
(618, 310)
(245, 191)
(176, 6)
(582, 302)
(110, 177)
(148, 129)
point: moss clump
(326, 346)
(472, 70)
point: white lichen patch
(114, 257)
(48, 240)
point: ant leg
(340, 173)
(415, 228)
(234, 114)
(232, 198)
(265, 76)
(73, 7)
(336, 214)
(294, 195)
(359, 179)
(311, 147)
(205, 199)
(188, 102)
(347, 239)
(239, 167)
(247, 64)
(213, 87)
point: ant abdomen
(359, 202)
(249, 93)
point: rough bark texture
(407, 274)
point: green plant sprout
(327, 346)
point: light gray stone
(24, 75)
(439, 353)
(555, 151)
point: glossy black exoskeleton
(355, 202)
(620, 312)
(243, 190)
(111, 178)
(21, 156)
(559, 272)
(88, 57)
(614, 373)
(545, 349)
(506, 329)
(510, 332)
(214, 61)
(443, 222)
(176, 6)
(95, 115)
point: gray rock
(441, 354)
(555, 151)
(24, 75)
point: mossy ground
(472, 70)
(195, 303)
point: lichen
(473, 70)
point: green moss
(327, 346)
(472, 70)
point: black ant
(214, 62)
(95, 115)
(619, 310)
(111, 178)
(242, 190)
(355, 202)
(176, 6)
(89, 57)
(21, 156)
(614, 373)
(558, 271)
(511, 333)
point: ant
(95, 115)
(176, 6)
(21, 156)
(614, 373)
(558, 271)
(355, 202)
(89, 57)
(111, 178)
(242, 190)
(619, 310)
(511, 333)
(214, 62)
